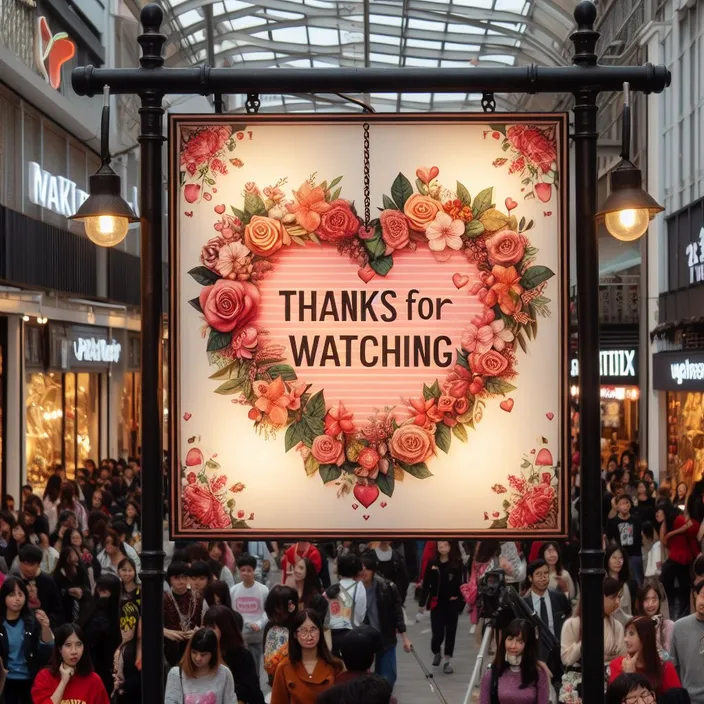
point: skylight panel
(190, 18)
(292, 35)
(324, 37)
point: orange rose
(412, 444)
(420, 211)
(265, 236)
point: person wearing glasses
(687, 649)
(630, 688)
(310, 668)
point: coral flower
(444, 232)
(424, 411)
(339, 420)
(311, 205)
(506, 290)
(272, 400)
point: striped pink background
(365, 389)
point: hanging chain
(367, 196)
(252, 104)
(488, 102)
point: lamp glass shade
(627, 225)
(106, 230)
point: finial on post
(585, 37)
(151, 40)
(585, 14)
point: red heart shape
(507, 405)
(219, 209)
(366, 274)
(355, 506)
(187, 416)
(366, 494)
(383, 504)
(549, 416)
(460, 280)
(365, 517)
(510, 204)
(495, 514)
(426, 175)
(188, 213)
(532, 452)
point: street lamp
(105, 213)
(629, 208)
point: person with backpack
(348, 600)
(281, 608)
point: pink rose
(491, 363)
(191, 478)
(328, 450)
(505, 248)
(412, 444)
(204, 507)
(203, 146)
(337, 223)
(446, 404)
(368, 458)
(210, 252)
(532, 508)
(461, 405)
(229, 305)
(244, 343)
(533, 144)
(251, 188)
(546, 477)
(394, 229)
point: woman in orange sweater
(310, 668)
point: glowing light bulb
(627, 217)
(106, 230)
(627, 225)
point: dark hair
(530, 570)
(30, 555)
(277, 605)
(358, 648)
(63, 564)
(128, 561)
(230, 630)
(652, 666)
(9, 518)
(115, 538)
(625, 497)
(648, 530)
(370, 689)
(246, 560)
(454, 556)
(649, 583)
(544, 548)
(698, 587)
(529, 662)
(348, 566)
(200, 569)
(698, 566)
(84, 666)
(53, 488)
(624, 684)
(624, 575)
(222, 547)
(120, 527)
(181, 555)
(612, 586)
(65, 515)
(176, 569)
(311, 583)
(370, 561)
(8, 587)
(486, 550)
(204, 640)
(197, 552)
(295, 652)
(219, 589)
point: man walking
(686, 648)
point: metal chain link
(252, 104)
(367, 195)
(488, 102)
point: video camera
(492, 594)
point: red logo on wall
(51, 52)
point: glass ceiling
(377, 33)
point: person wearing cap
(625, 530)
(43, 593)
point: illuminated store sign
(92, 350)
(612, 363)
(679, 371)
(695, 259)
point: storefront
(3, 401)
(66, 373)
(129, 422)
(620, 393)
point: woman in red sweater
(642, 657)
(70, 675)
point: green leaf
(335, 181)
(534, 328)
(535, 275)
(218, 340)
(315, 408)
(529, 332)
(294, 435)
(388, 203)
(312, 427)
(212, 465)
(336, 194)
(431, 391)
(443, 437)
(529, 225)
(422, 188)
(298, 240)
(521, 224)
(495, 385)
(498, 128)
(314, 238)
(203, 275)
(386, 482)
(329, 473)
(382, 265)
(474, 228)
(286, 372)
(375, 246)
(460, 432)
(224, 371)
(483, 201)
(195, 302)
(462, 359)
(463, 194)
(500, 523)
(401, 190)
(238, 213)
(311, 464)
(254, 205)
(522, 342)
(419, 471)
(232, 386)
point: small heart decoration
(215, 190)
(383, 504)
(366, 274)
(187, 416)
(549, 416)
(426, 175)
(355, 506)
(207, 196)
(507, 405)
(510, 204)
(366, 516)
(214, 455)
(366, 494)
(219, 209)
(495, 514)
(460, 280)
(532, 452)
(188, 213)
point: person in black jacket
(234, 653)
(441, 594)
(385, 614)
(43, 593)
(128, 670)
(72, 581)
(392, 567)
(101, 626)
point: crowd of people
(324, 622)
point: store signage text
(695, 262)
(92, 350)
(612, 363)
(687, 371)
(61, 194)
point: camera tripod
(489, 628)
(430, 678)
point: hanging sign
(369, 326)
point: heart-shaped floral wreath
(370, 457)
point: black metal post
(592, 555)
(151, 140)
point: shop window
(685, 436)
(129, 438)
(63, 422)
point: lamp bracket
(488, 102)
(252, 104)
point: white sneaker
(473, 629)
